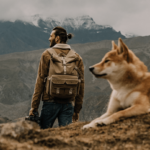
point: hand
(33, 112)
(75, 117)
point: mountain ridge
(21, 36)
(74, 22)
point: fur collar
(62, 46)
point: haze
(127, 16)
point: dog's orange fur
(130, 83)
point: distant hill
(18, 73)
(20, 36)
(4, 120)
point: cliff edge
(131, 133)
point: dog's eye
(106, 61)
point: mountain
(130, 35)
(125, 134)
(22, 36)
(84, 29)
(80, 22)
(18, 73)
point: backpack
(64, 78)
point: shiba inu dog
(130, 82)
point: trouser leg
(49, 114)
(65, 114)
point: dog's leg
(112, 108)
(141, 106)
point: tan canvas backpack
(64, 78)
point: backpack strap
(54, 55)
(71, 56)
(80, 76)
(79, 72)
(50, 50)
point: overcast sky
(127, 16)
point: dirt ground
(126, 134)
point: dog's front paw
(87, 126)
(100, 123)
(105, 121)
(108, 121)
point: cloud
(127, 16)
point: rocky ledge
(132, 133)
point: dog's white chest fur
(124, 98)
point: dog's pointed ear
(123, 49)
(114, 46)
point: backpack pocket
(64, 86)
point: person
(67, 112)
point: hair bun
(69, 35)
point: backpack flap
(64, 77)
(54, 81)
(72, 82)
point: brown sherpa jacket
(40, 90)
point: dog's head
(116, 62)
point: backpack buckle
(57, 91)
(70, 91)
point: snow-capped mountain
(130, 35)
(84, 28)
(24, 36)
(49, 22)
(81, 22)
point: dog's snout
(91, 68)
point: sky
(127, 16)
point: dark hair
(62, 33)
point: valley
(18, 73)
